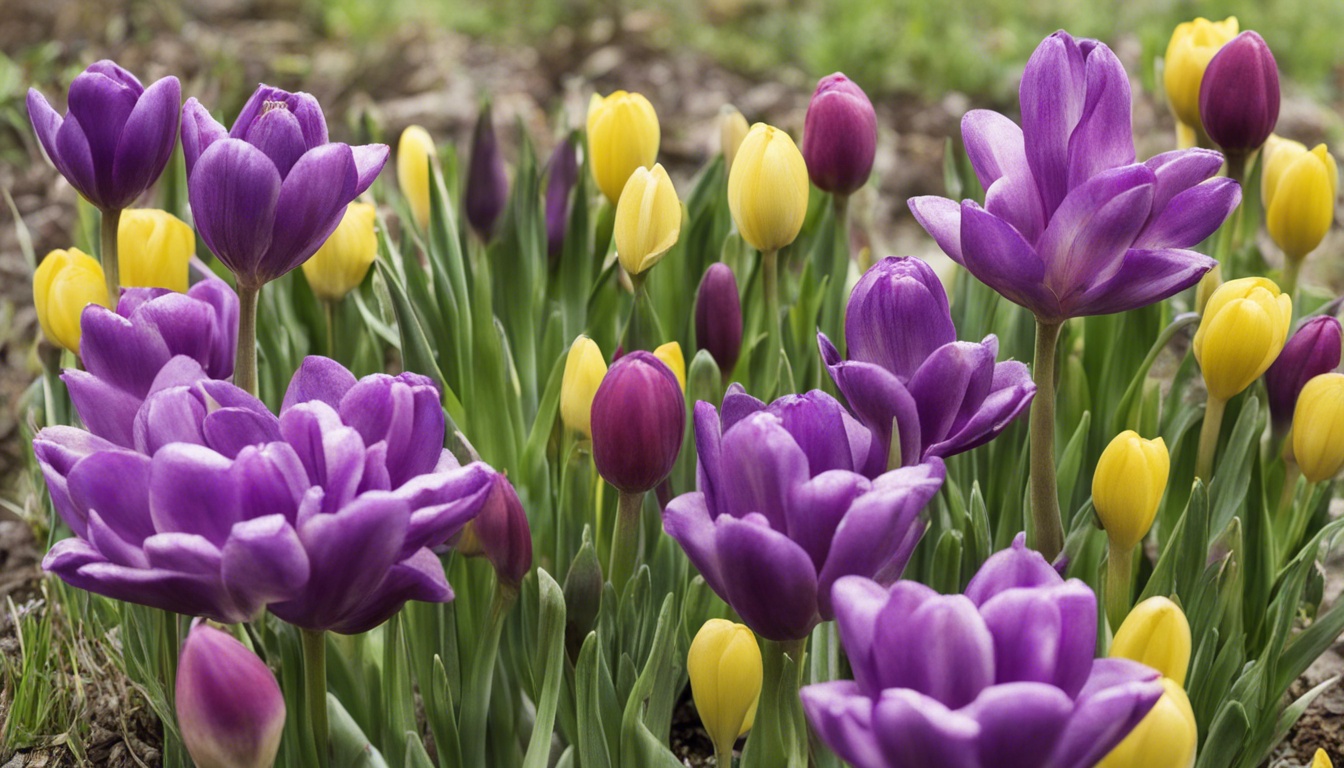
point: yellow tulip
(732, 130)
(768, 188)
(1128, 485)
(64, 284)
(1155, 633)
(725, 670)
(623, 135)
(1318, 427)
(340, 264)
(1166, 737)
(1241, 333)
(153, 249)
(1299, 188)
(1321, 760)
(415, 151)
(584, 369)
(1192, 45)
(648, 219)
(670, 354)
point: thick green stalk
(108, 255)
(1119, 583)
(315, 691)
(1047, 525)
(1291, 268)
(625, 540)
(329, 310)
(245, 359)
(1208, 437)
(774, 335)
(778, 739)
(476, 697)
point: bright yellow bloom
(768, 188)
(670, 354)
(153, 249)
(648, 219)
(1321, 760)
(1298, 188)
(1241, 333)
(584, 369)
(1318, 427)
(623, 135)
(1192, 45)
(1128, 485)
(725, 670)
(415, 151)
(340, 264)
(1155, 633)
(732, 130)
(1165, 738)
(64, 284)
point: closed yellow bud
(1128, 485)
(768, 188)
(648, 219)
(64, 284)
(1155, 633)
(340, 264)
(623, 135)
(1242, 331)
(1165, 738)
(1191, 47)
(670, 354)
(1299, 189)
(725, 670)
(1321, 760)
(1318, 427)
(732, 130)
(415, 151)
(584, 369)
(153, 249)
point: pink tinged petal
(228, 704)
(311, 203)
(953, 670)
(817, 507)
(193, 490)
(101, 106)
(106, 411)
(1117, 696)
(995, 147)
(878, 398)
(148, 139)
(72, 146)
(1094, 226)
(941, 218)
(1019, 723)
(770, 580)
(318, 378)
(917, 730)
(1010, 568)
(369, 162)
(234, 192)
(842, 717)
(686, 519)
(199, 131)
(115, 484)
(46, 125)
(999, 257)
(1145, 277)
(278, 134)
(1180, 170)
(1191, 216)
(1104, 136)
(418, 577)
(761, 464)
(1053, 94)
(263, 562)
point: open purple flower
(326, 515)
(1072, 225)
(1002, 676)
(116, 136)
(266, 194)
(789, 501)
(905, 364)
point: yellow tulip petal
(1155, 633)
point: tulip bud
(1321, 760)
(1128, 485)
(1192, 45)
(340, 265)
(1155, 633)
(648, 219)
(64, 284)
(415, 151)
(562, 172)
(153, 249)
(1239, 95)
(724, 664)
(670, 354)
(1299, 190)
(839, 136)
(732, 130)
(229, 707)
(500, 533)
(583, 595)
(1314, 349)
(1318, 427)
(623, 135)
(768, 188)
(1165, 738)
(638, 419)
(718, 316)
(1241, 333)
(487, 184)
(584, 370)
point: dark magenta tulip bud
(839, 136)
(562, 172)
(487, 183)
(718, 317)
(639, 415)
(1239, 95)
(501, 534)
(1313, 350)
(229, 706)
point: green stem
(625, 540)
(1208, 437)
(329, 310)
(1047, 526)
(1291, 268)
(774, 335)
(1119, 583)
(108, 255)
(476, 704)
(315, 690)
(779, 736)
(723, 757)
(1291, 473)
(245, 360)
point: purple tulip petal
(263, 561)
(369, 162)
(101, 106)
(277, 133)
(229, 430)
(234, 197)
(318, 378)
(1011, 393)
(409, 418)
(46, 125)
(121, 353)
(191, 594)
(1144, 277)
(914, 729)
(878, 398)
(1117, 696)
(1179, 170)
(709, 450)
(106, 411)
(815, 510)
(332, 454)
(737, 405)
(149, 136)
(1094, 226)
(1010, 568)
(818, 424)
(953, 670)
(1104, 136)
(193, 490)
(1191, 216)
(419, 577)
(950, 385)
(941, 218)
(686, 519)
(58, 449)
(183, 552)
(897, 316)
(172, 415)
(843, 719)
(1044, 635)
(1053, 96)
(224, 338)
(271, 479)
(997, 255)
(858, 604)
(765, 465)
(1019, 722)
(199, 131)
(72, 146)
(768, 578)
(302, 105)
(997, 153)
(444, 502)
(311, 203)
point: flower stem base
(245, 359)
(1047, 526)
(315, 691)
(625, 540)
(111, 220)
(1208, 437)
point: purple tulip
(1313, 350)
(266, 194)
(1002, 676)
(501, 534)
(638, 418)
(718, 317)
(1072, 225)
(156, 338)
(562, 173)
(326, 515)
(788, 502)
(229, 707)
(487, 184)
(946, 396)
(1239, 94)
(116, 136)
(839, 136)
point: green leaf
(550, 662)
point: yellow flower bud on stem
(726, 671)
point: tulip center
(270, 106)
